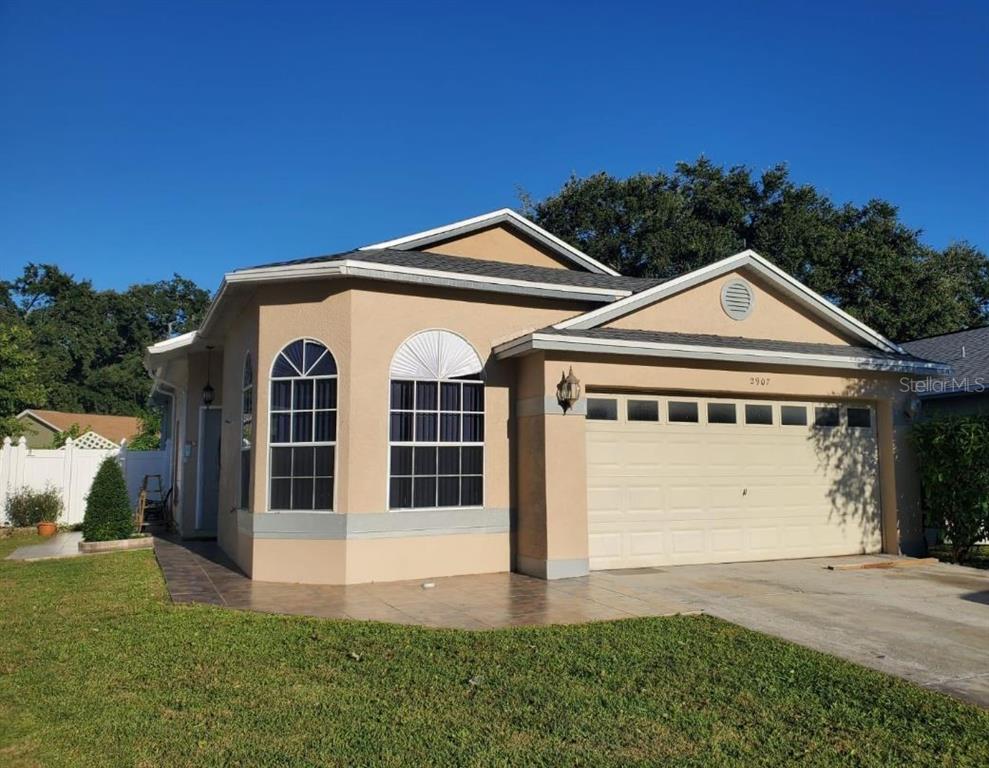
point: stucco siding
(500, 244)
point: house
(967, 389)
(394, 412)
(97, 430)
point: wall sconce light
(568, 390)
(208, 392)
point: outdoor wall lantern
(208, 392)
(568, 390)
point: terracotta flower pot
(47, 529)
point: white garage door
(676, 480)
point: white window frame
(245, 503)
(271, 445)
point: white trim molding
(502, 216)
(748, 258)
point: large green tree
(861, 257)
(21, 383)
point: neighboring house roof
(113, 428)
(967, 352)
(503, 216)
(699, 346)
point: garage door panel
(663, 493)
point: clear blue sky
(141, 138)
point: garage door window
(826, 416)
(643, 410)
(793, 415)
(859, 418)
(758, 414)
(601, 409)
(721, 413)
(682, 412)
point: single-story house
(483, 396)
(966, 390)
(96, 430)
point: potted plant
(38, 508)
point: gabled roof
(113, 428)
(966, 351)
(507, 217)
(812, 301)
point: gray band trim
(552, 569)
(373, 525)
(548, 406)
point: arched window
(436, 424)
(303, 427)
(246, 431)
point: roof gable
(809, 302)
(506, 218)
(112, 428)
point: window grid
(303, 428)
(436, 444)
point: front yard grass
(97, 667)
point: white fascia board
(176, 342)
(747, 258)
(537, 341)
(502, 215)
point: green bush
(108, 513)
(27, 507)
(952, 454)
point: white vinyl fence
(71, 470)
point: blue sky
(139, 138)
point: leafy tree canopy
(863, 258)
(21, 383)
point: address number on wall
(759, 381)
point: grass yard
(98, 668)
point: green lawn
(98, 668)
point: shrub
(27, 507)
(108, 513)
(954, 475)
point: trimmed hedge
(108, 512)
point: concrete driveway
(927, 624)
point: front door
(209, 468)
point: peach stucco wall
(500, 244)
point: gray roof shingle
(967, 352)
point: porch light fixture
(568, 390)
(208, 391)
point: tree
(861, 257)
(21, 382)
(149, 438)
(108, 513)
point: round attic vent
(737, 299)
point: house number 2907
(759, 381)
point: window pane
(400, 493)
(425, 427)
(426, 395)
(470, 492)
(401, 460)
(643, 410)
(682, 411)
(303, 395)
(245, 478)
(401, 427)
(859, 418)
(450, 397)
(302, 462)
(401, 395)
(758, 414)
(302, 493)
(324, 493)
(450, 461)
(472, 459)
(280, 428)
(326, 393)
(826, 416)
(302, 427)
(720, 413)
(324, 461)
(281, 462)
(325, 366)
(425, 461)
(247, 404)
(293, 353)
(449, 492)
(314, 352)
(326, 426)
(283, 367)
(474, 397)
(424, 492)
(793, 415)
(281, 395)
(473, 428)
(450, 427)
(600, 409)
(281, 494)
